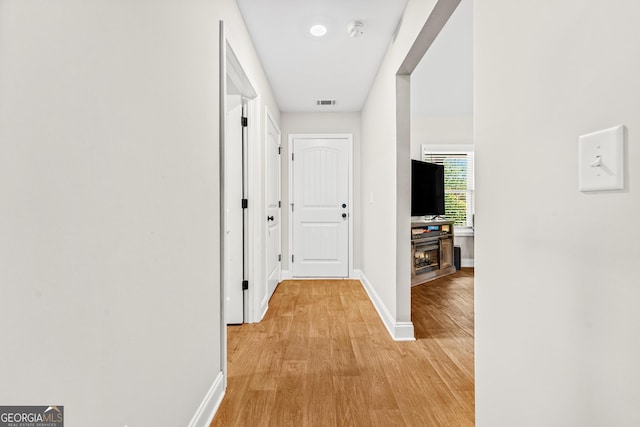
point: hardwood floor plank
(349, 399)
(321, 401)
(322, 357)
(288, 407)
(258, 406)
(386, 418)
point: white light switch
(601, 160)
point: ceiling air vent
(326, 102)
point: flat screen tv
(427, 188)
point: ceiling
(303, 69)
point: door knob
(270, 218)
(344, 215)
(344, 205)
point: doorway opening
(411, 130)
(237, 148)
(238, 94)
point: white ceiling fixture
(303, 68)
(355, 29)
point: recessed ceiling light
(318, 30)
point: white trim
(264, 306)
(467, 262)
(222, 136)
(446, 148)
(210, 404)
(404, 332)
(253, 252)
(323, 278)
(399, 331)
(349, 138)
(285, 275)
(231, 67)
(462, 231)
(269, 118)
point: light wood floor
(322, 357)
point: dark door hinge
(291, 258)
(279, 257)
(244, 121)
(245, 285)
(245, 203)
(292, 157)
(279, 203)
(279, 150)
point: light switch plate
(601, 160)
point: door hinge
(292, 157)
(279, 257)
(245, 285)
(291, 258)
(279, 203)
(291, 207)
(244, 121)
(279, 150)
(245, 203)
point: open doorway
(234, 188)
(442, 121)
(434, 105)
(435, 117)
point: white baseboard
(467, 262)
(399, 331)
(404, 332)
(210, 404)
(264, 306)
(286, 275)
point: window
(458, 180)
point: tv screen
(427, 188)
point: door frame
(233, 217)
(255, 214)
(264, 304)
(349, 141)
(234, 73)
(230, 68)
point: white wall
(292, 123)
(442, 86)
(439, 131)
(109, 255)
(380, 196)
(442, 83)
(557, 287)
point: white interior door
(233, 242)
(273, 206)
(320, 210)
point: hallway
(321, 357)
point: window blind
(458, 184)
